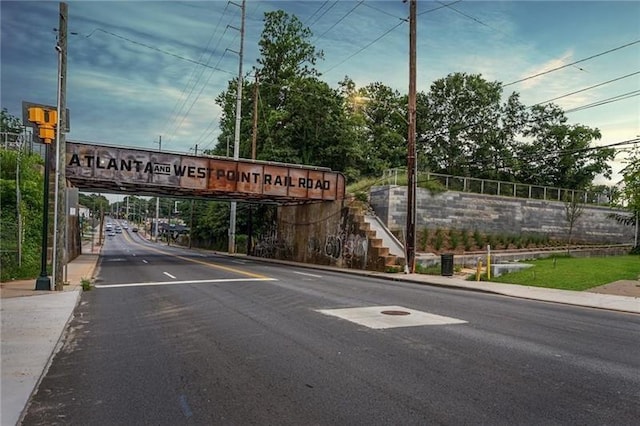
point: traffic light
(46, 120)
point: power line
(365, 47)
(573, 63)
(589, 88)
(617, 98)
(193, 79)
(157, 49)
(402, 21)
(323, 13)
(317, 10)
(340, 20)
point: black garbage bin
(446, 264)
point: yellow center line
(210, 265)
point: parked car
(134, 229)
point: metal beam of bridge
(153, 173)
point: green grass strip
(569, 273)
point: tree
(560, 155)
(464, 130)
(9, 123)
(631, 192)
(573, 210)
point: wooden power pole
(411, 144)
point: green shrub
(424, 238)
(453, 239)
(85, 283)
(477, 238)
(438, 240)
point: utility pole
(60, 194)
(411, 145)
(236, 142)
(191, 213)
(254, 135)
(158, 198)
(254, 143)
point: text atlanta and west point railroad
(149, 167)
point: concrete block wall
(498, 215)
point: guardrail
(503, 188)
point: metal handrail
(503, 188)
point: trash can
(446, 264)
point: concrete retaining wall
(498, 215)
(327, 233)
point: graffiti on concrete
(345, 244)
(270, 246)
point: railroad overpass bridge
(314, 225)
(113, 169)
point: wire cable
(588, 88)
(572, 63)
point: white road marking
(306, 274)
(157, 283)
(144, 261)
(373, 317)
(169, 275)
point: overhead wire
(317, 10)
(340, 20)
(208, 132)
(572, 63)
(193, 79)
(166, 52)
(612, 99)
(402, 21)
(588, 88)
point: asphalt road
(178, 337)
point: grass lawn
(569, 273)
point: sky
(141, 70)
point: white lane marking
(306, 274)
(144, 261)
(169, 275)
(373, 317)
(222, 280)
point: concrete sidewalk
(33, 322)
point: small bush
(453, 239)
(477, 238)
(85, 283)
(424, 238)
(466, 243)
(438, 240)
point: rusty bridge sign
(142, 172)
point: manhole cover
(396, 313)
